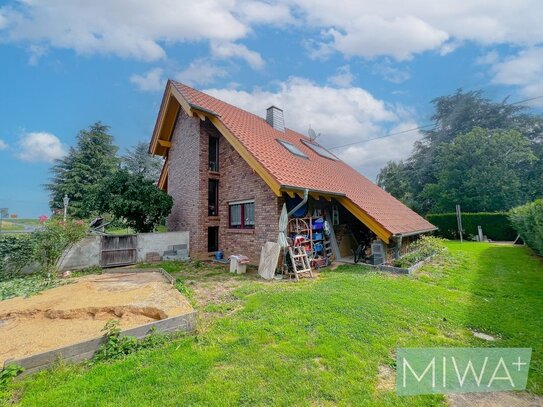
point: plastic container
(317, 236)
(238, 264)
(219, 255)
(318, 224)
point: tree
(481, 171)
(392, 179)
(458, 114)
(93, 159)
(138, 161)
(137, 201)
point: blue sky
(353, 70)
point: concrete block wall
(87, 252)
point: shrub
(528, 222)
(8, 373)
(421, 249)
(117, 346)
(53, 239)
(15, 253)
(496, 225)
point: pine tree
(138, 161)
(93, 159)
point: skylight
(292, 148)
(320, 150)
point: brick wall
(188, 185)
(184, 179)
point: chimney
(274, 117)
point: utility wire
(416, 128)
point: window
(292, 148)
(212, 238)
(320, 150)
(242, 215)
(213, 153)
(213, 197)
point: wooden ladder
(300, 262)
(328, 249)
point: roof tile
(317, 172)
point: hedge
(528, 221)
(496, 225)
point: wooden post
(459, 221)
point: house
(230, 171)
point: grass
(320, 341)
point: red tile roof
(316, 173)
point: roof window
(320, 150)
(292, 148)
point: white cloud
(3, 145)
(389, 72)
(200, 72)
(3, 20)
(136, 29)
(488, 58)
(225, 50)
(400, 37)
(149, 82)
(140, 29)
(371, 156)
(370, 28)
(40, 147)
(341, 115)
(256, 12)
(343, 77)
(524, 70)
(36, 52)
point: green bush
(528, 222)
(16, 251)
(421, 249)
(117, 346)
(496, 225)
(53, 239)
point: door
(118, 250)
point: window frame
(209, 211)
(243, 224)
(215, 231)
(288, 145)
(216, 149)
(320, 150)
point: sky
(353, 70)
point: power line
(386, 135)
(416, 128)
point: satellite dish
(312, 134)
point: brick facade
(188, 185)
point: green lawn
(317, 342)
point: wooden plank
(165, 143)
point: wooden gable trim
(163, 179)
(172, 102)
(366, 219)
(245, 154)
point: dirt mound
(76, 312)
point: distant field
(9, 225)
(32, 222)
